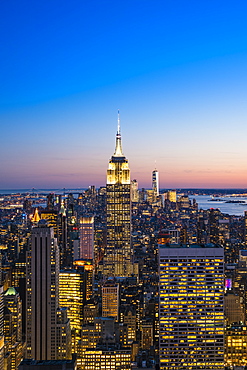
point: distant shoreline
(186, 191)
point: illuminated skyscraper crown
(118, 170)
(118, 149)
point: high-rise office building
(65, 253)
(235, 345)
(110, 299)
(191, 307)
(234, 308)
(13, 326)
(150, 197)
(51, 216)
(172, 196)
(245, 227)
(214, 217)
(42, 293)
(86, 268)
(147, 336)
(155, 183)
(1, 329)
(86, 233)
(118, 254)
(58, 221)
(134, 191)
(64, 346)
(71, 290)
(50, 202)
(129, 318)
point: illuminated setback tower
(117, 260)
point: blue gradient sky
(177, 70)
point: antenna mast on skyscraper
(118, 122)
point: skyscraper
(13, 326)
(58, 221)
(110, 299)
(86, 267)
(1, 329)
(117, 259)
(155, 183)
(86, 232)
(71, 284)
(42, 293)
(134, 191)
(191, 307)
(172, 196)
(245, 227)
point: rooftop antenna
(118, 149)
(118, 123)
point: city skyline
(177, 72)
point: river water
(205, 202)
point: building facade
(98, 359)
(191, 307)
(235, 345)
(155, 183)
(172, 196)
(134, 192)
(86, 232)
(71, 291)
(42, 293)
(110, 299)
(1, 328)
(13, 327)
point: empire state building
(118, 254)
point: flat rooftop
(208, 245)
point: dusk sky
(176, 70)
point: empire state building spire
(118, 251)
(118, 149)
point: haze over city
(176, 70)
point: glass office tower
(191, 307)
